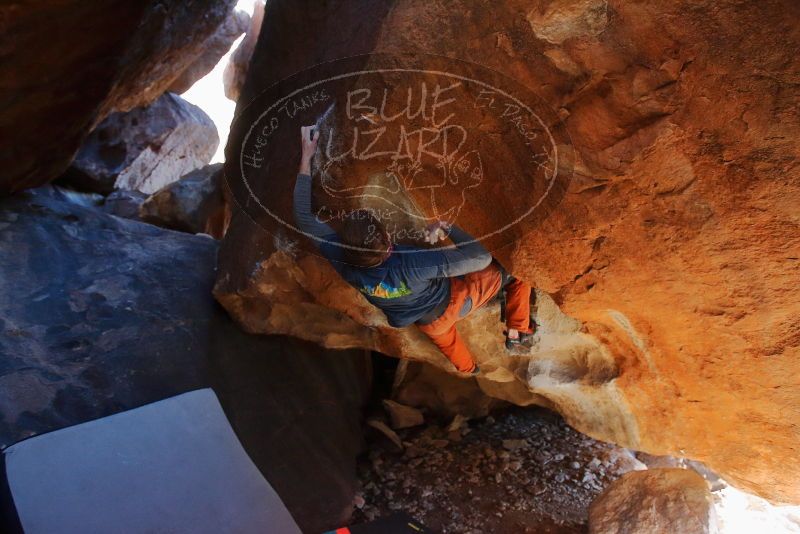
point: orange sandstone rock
(669, 272)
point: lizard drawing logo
(422, 167)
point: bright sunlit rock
(742, 513)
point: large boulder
(100, 314)
(672, 257)
(236, 69)
(144, 149)
(655, 501)
(195, 203)
(216, 46)
(67, 64)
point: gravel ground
(523, 470)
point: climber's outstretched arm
(306, 221)
(467, 255)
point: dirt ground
(523, 470)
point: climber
(433, 288)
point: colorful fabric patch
(385, 291)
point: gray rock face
(124, 203)
(146, 148)
(194, 204)
(656, 501)
(100, 314)
(67, 64)
(216, 46)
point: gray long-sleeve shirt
(408, 284)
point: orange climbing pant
(479, 287)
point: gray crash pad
(171, 466)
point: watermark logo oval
(412, 139)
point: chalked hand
(308, 142)
(308, 138)
(436, 232)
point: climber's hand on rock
(308, 140)
(309, 137)
(436, 232)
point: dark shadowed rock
(145, 149)
(402, 416)
(66, 65)
(100, 314)
(425, 386)
(236, 70)
(216, 46)
(656, 501)
(195, 203)
(124, 203)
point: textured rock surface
(656, 501)
(521, 471)
(236, 70)
(216, 46)
(124, 203)
(66, 65)
(195, 203)
(674, 254)
(427, 386)
(402, 416)
(146, 148)
(100, 314)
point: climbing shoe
(521, 344)
(475, 371)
